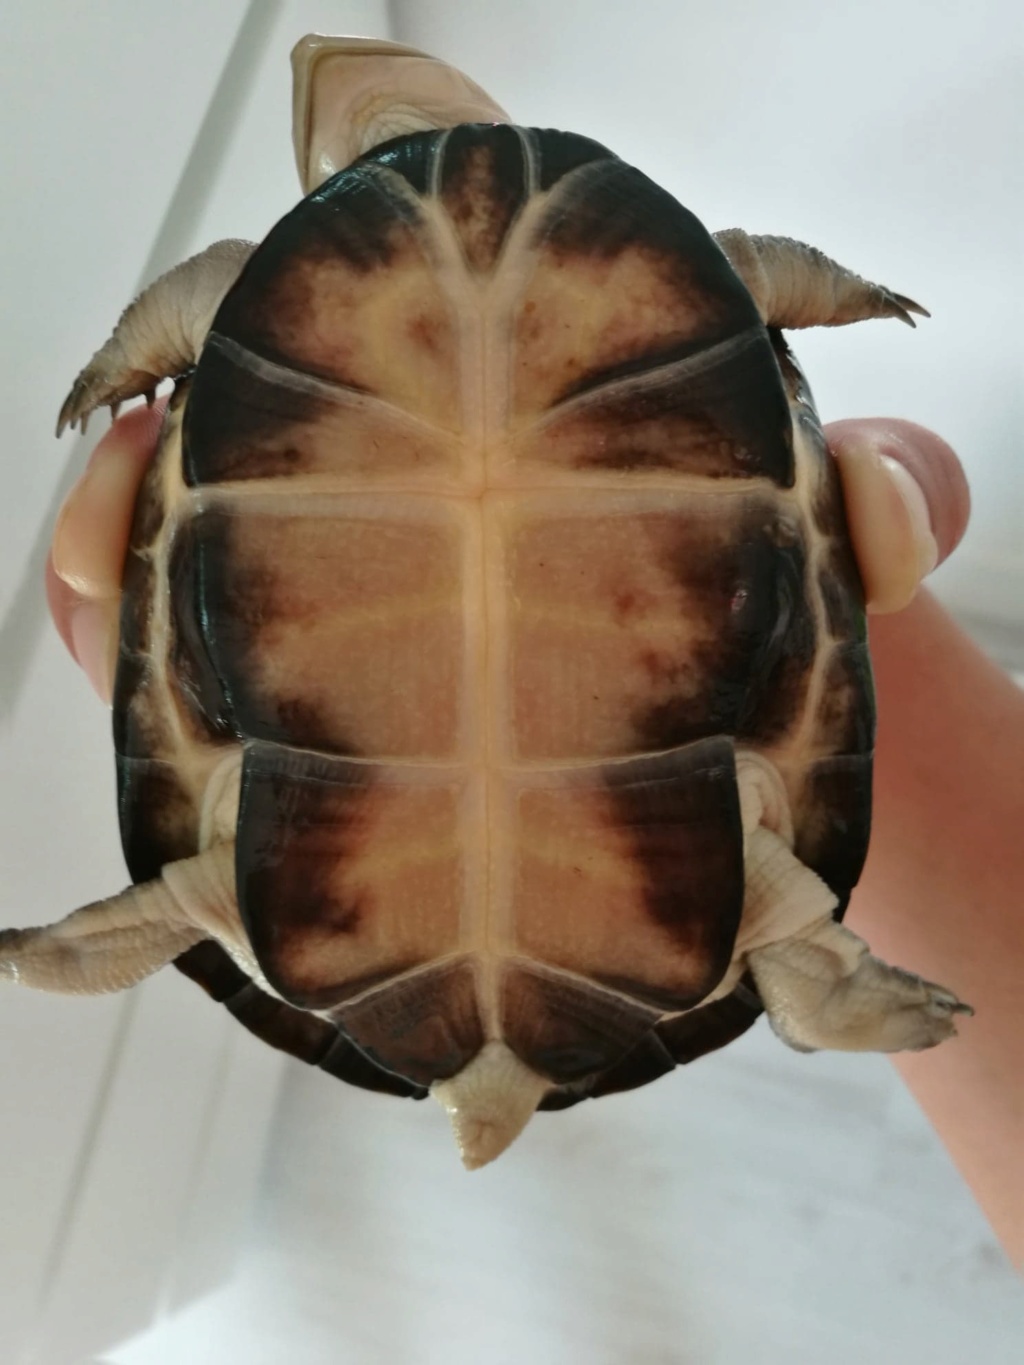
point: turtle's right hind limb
(115, 943)
(822, 988)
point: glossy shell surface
(491, 525)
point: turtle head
(350, 94)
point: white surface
(758, 1207)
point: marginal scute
(297, 1032)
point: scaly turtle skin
(494, 712)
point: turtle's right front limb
(160, 335)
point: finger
(83, 576)
(89, 629)
(907, 503)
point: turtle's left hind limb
(114, 943)
(822, 989)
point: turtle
(494, 713)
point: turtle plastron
(820, 986)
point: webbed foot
(823, 989)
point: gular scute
(482, 187)
(491, 524)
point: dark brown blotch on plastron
(139, 586)
(680, 815)
(558, 154)
(788, 633)
(159, 823)
(226, 594)
(841, 593)
(242, 425)
(743, 579)
(565, 1027)
(425, 1027)
(356, 224)
(300, 819)
(610, 208)
(142, 724)
(482, 187)
(193, 674)
(410, 155)
(726, 420)
(794, 381)
(150, 509)
(623, 278)
(845, 723)
(834, 822)
(311, 1039)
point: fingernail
(94, 644)
(917, 509)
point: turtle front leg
(796, 285)
(823, 989)
(160, 335)
(112, 944)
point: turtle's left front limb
(160, 335)
(819, 984)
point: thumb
(907, 503)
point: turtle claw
(95, 389)
(901, 307)
(823, 989)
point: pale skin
(940, 888)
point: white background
(760, 1206)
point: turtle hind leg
(114, 943)
(159, 336)
(822, 988)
